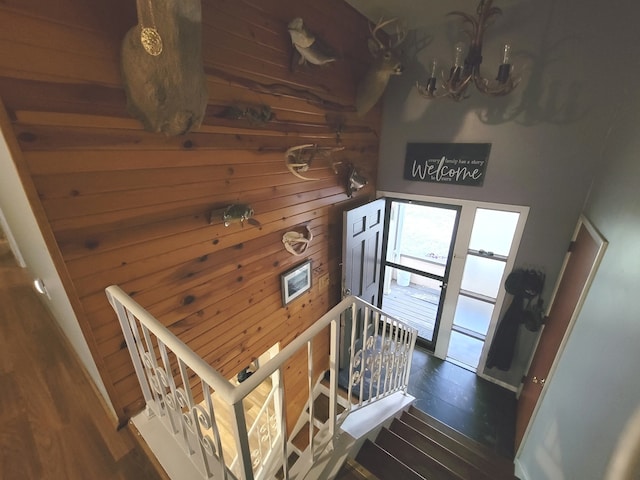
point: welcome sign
(447, 163)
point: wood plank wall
(123, 206)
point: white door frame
(467, 216)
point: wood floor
(52, 425)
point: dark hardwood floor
(52, 425)
(459, 398)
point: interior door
(361, 250)
(580, 266)
(362, 237)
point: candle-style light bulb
(458, 62)
(434, 68)
(505, 69)
(458, 54)
(506, 54)
(431, 84)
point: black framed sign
(447, 163)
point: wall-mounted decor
(448, 163)
(254, 114)
(236, 213)
(295, 282)
(355, 182)
(163, 54)
(307, 46)
(299, 158)
(386, 63)
(297, 241)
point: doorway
(416, 263)
(446, 256)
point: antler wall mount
(386, 63)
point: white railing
(263, 435)
(188, 395)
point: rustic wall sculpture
(162, 66)
(300, 158)
(309, 48)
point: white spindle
(384, 358)
(283, 428)
(334, 362)
(242, 441)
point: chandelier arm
(466, 18)
(484, 86)
(457, 90)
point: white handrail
(387, 348)
(230, 393)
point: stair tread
(461, 466)
(414, 458)
(473, 452)
(301, 440)
(353, 470)
(384, 465)
(321, 408)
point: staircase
(416, 446)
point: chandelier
(466, 69)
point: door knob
(540, 381)
(534, 379)
(347, 292)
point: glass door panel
(482, 275)
(489, 247)
(473, 315)
(487, 223)
(419, 249)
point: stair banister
(397, 339)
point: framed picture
(295, 282)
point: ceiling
(418, 14)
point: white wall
(546, 136)
(24, 229)
(596, 388)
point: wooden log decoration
(162, 66)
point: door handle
(346, 292)
(540, 381)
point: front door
(416, 263)
(580, 267)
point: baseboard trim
(520, 471)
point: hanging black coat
(524, 285)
